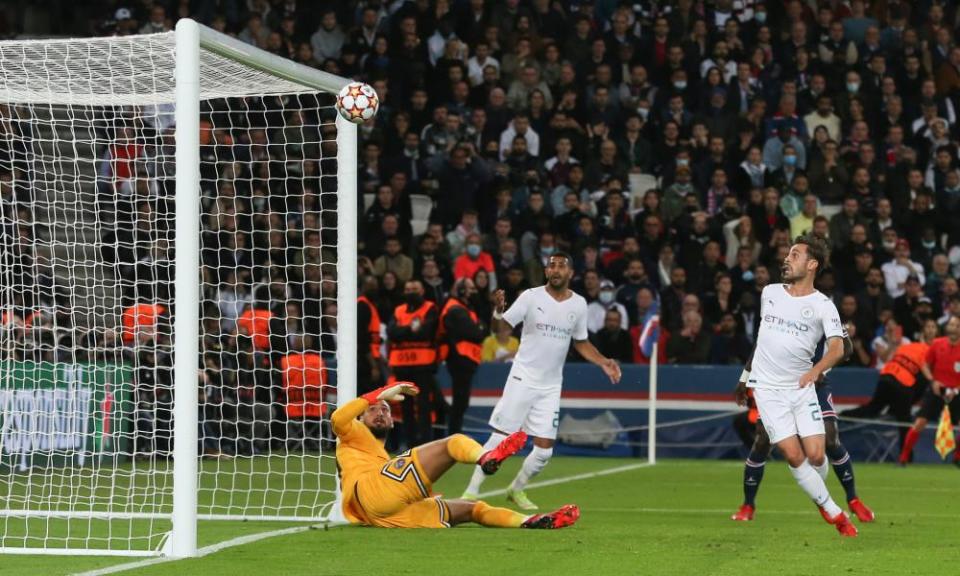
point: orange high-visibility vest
(139, 316)
(469, 350)
(373, 327)
(906, 362)
(420, 352)
(304, 378)
(256, 324)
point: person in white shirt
(551, 315)
(896, 271)
(481, 59)
(519, 126)
(606, 301)
(781, 372)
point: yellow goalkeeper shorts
(399, 495)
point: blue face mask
(547, 250)
(790, 160)
(682, 162)
(760, 17)
(680, 85)
(473, 250)
(852, 87)
(748, 276)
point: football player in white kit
(551, 315)
(793, 318)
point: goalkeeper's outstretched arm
(345, 417)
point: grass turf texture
(669, 519)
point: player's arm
(832, 355)
(740, 393)
(344, 418)
(513, 316)
(590, 353)
(935, 385)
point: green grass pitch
(669, 519)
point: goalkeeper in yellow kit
(397, 492)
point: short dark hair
(816, 250)
(561, 254)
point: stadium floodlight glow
(120, 154)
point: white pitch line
(205, 551)
(574, 478)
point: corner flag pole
(652, 418)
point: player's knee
(761, 445)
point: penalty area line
(574, 478)
(204, 551)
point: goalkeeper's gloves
(392, 392)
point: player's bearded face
(794, 266)
(378, 419)
(559, 273)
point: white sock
(811, 483)
(823, 469)
(478, 476)
(532, 465)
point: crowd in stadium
(674, 149)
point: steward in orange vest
(141, 320)
(304, 379)
(412, 339)
(368, 338)
(460, 336)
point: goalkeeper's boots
(490, 461)
(861, 511)
(844, 526)
(519, 497)
(560, 518)
(744, 514)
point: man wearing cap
(896, 272)
(606, 301)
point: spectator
(613, 340)
(473, 259)
(690, 344)
(897, 271)
(501, 346)
(393, 260)
(607, 300)
(728, 345)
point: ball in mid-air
(358, 102)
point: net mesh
(87, 168)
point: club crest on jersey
(571, 318)
(807, 312)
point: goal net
(172, 286)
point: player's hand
(740, 393)
(392, 392)
(809, 378)
(949, 394)
(500, 301)
(612, 370)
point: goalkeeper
(396, 492)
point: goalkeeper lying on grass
(396, 492)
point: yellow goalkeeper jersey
(358, 452)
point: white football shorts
(535, 410)
(789, 411)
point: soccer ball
(358, 102)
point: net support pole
(652, 414)
(182, 542)
(346, 261)
(346, 278)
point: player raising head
(397, 492)
(794, 317)
(552, 315)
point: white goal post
(116, 122)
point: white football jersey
(790, 329)
(548, 326)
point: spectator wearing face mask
(473, 259)
(605, 302)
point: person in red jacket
(942, 369)
(473, 260)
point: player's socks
(908, 443)
(532, 465)
(843, 468)
(464, 449)
(811, 483)
(487, 515)
(478, 476)
(823, 469)
(752, 476)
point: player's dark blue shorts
(825, 397)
